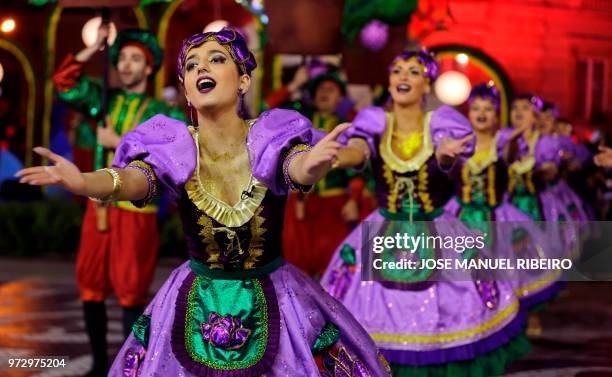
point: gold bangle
(117, 183)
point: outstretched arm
(604, 157)
(129, 184)
(450, 149)
(310, 167)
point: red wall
(537, 43)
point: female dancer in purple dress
(479, 200)
(423, 325)
(235, 309)
(531, 189)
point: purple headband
(486, 91)
(425, 58)
(535, 100)
(230, 39)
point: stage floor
(40, 315)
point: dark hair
(535, 100)
(486, 91)
(425, 58)
(230, 39)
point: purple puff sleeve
(447, 122)
(548, 149)
(369, 125)
(167, 146)
(275, 133)
(504, 139)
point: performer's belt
(216, 273)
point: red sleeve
(66, 75)
(277, 97)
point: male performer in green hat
(316, 223)
(119, 242)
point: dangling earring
(192, 117)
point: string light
(8, 25)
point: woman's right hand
(63, 173)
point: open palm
(63, 173)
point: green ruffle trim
(141, 329)
(493, 363)
(327, 338)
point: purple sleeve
(447, 122)
(548, 149)
(504, 139)
(270, 140)
(369, 125)
(166, 145)
(582, 153)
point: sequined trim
(328, 337)
(153, 185)
(499, 320)
(413, 164)
(293, 152)
(225, 214)
(537, 285)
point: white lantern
(215, 26)
(453, 88)
(90, 32)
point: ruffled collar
(230, 216)
(413, 164)
(491, 157)
(527, 162)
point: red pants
(121, 260)
(310, 243)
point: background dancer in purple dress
(422, 325)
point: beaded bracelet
(117, 183)
(361, 144)
(153, 186)
(301, 148)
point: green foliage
(54, 227)
(40, 227)
(357, 13)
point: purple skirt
(438, 323)
(532, 287)
(304, 308)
